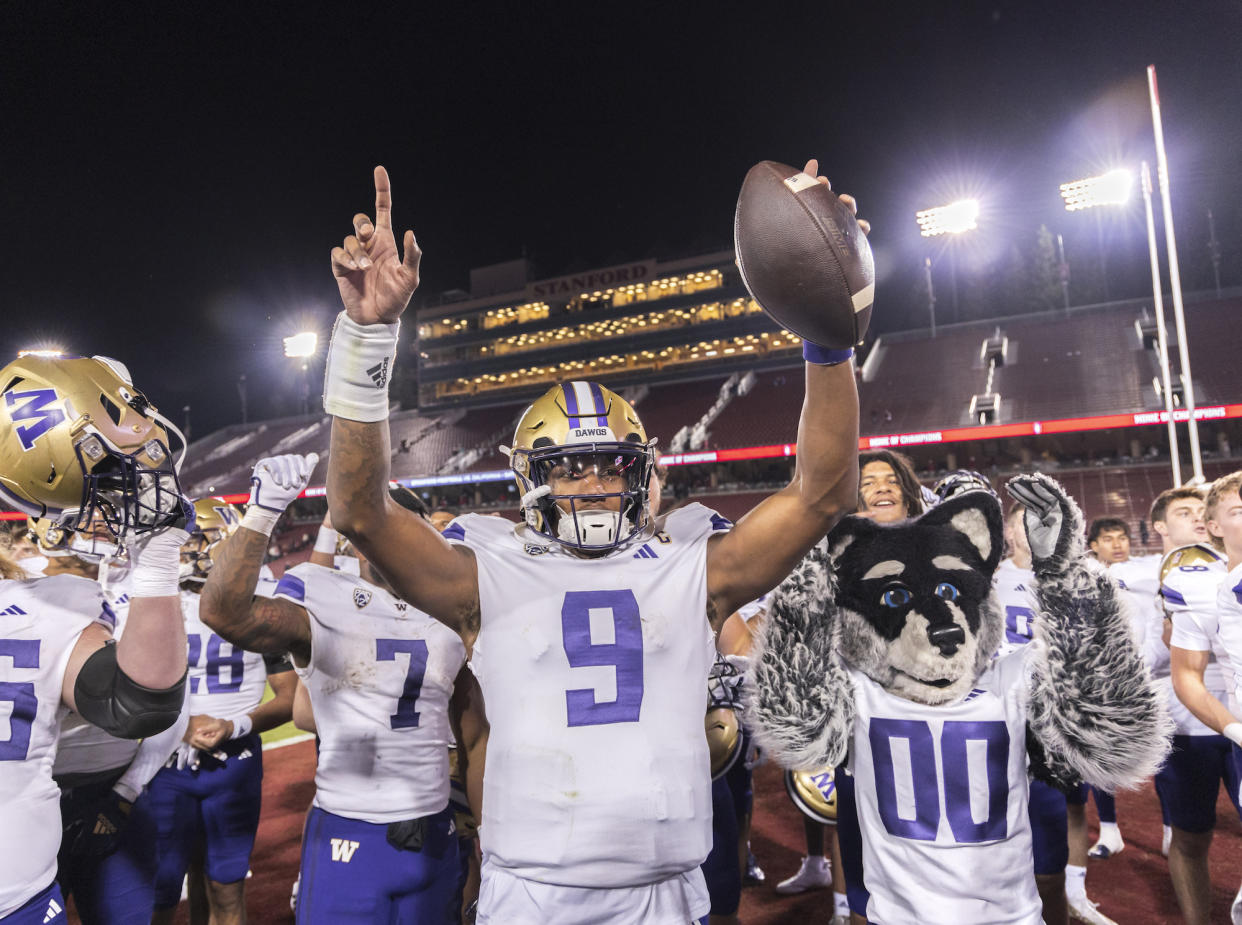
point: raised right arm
(376, 284)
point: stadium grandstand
(720, 385)
(1072, 392)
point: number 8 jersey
(942, 802)
(593, 673)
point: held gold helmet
(723, 728)
(1197, 557)
(814, 793)
(575, 431)
(214, 520)
(81, 448)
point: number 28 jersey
(942, 803)
(593, 673)
(223, 680)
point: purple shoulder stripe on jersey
(721, 523)
(454, 531)
(1237, 592)
(571, 404)
(108, 615)
(291, 586)
(1173, 597)
(601, 407)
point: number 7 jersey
(593, 672)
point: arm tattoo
(230, 608)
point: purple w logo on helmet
(36, 409)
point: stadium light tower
(302, 346)
(41, 352)
(1109, 189)
(954, 219)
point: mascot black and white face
(918, 615)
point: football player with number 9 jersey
(590, 625)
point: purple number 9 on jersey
(624, 653)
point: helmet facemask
(584, 520)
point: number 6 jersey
(942, 802)
(593, 672)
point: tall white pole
(1175, 277)
(1162, 340)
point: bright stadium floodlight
(954, 218)
(302, 345)
(1110, 189)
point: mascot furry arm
(1091, 702)
(1091, 705)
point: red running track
(1132, 887)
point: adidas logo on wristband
(379, 373)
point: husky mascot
(880, 647)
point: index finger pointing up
(383, 199)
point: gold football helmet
(575, 430)
(724, 739)
(814, 793)
(79, 445)
(1196, 557)
(214, 521)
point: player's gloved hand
(1048, 512)
(726, 677)
(155, 556)
(100, 832)
(277, 480)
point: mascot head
(917, 611)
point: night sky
(173, 180)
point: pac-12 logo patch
(362, 597)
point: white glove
(155, 557)
(725, 677)
(275, 482)
(1043, 517)
(186, 756)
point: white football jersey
(1139, 580)
(1226, 627)
(40, 622)
(87, 749)
(223, 680)
(593, 672)
(1015, 589)
(380, 677)
(1190, 591)
(942, 803)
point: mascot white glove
(275, 482)
(1044, 519)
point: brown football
(803, 256)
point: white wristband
(242, 724)
(1233, 732)
(260, 519)
(359, 365)
(326, 540)
(157, 569)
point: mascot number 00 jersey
(43, 619)
(380, 677)
(593, 670)
(947, 785)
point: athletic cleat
(754, 873)
(1082, 909)
(814, 874)
(293, 894)
(1109, 844)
